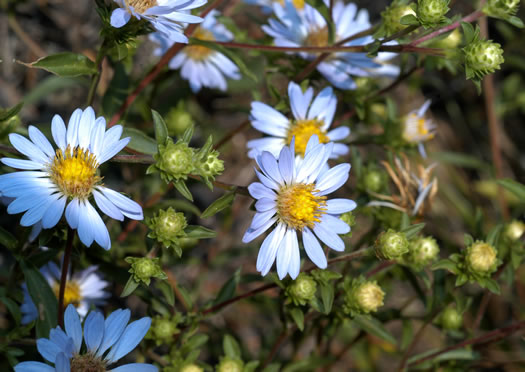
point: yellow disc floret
(317, 37)
(72, 294)
(298, 4)
(199, 52)
(74, 172)
(299, 207)
(417, 129)
(302, 130)
(140, 6)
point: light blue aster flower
(201, 66)
(68, 175)
(166, 16)
(307, 27)
(417, 129)
(105, 342)
(292, 197)
(84, 289)
(267, 5)
(309, 118)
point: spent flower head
(145, 268)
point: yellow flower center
(141, 6)
(317, 37)
(298, 206)
(302, 130)
(199, 52)
(72, 293)
(298, 4)
(416, 129)
(74, 172)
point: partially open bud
(167, 227)
(228, 364)
(451, 318)
(422, 252)
(452, 40)
(482, 57)
(503, 9)
(391, 245)
(145, 268)
(374, 180)
(393, 14)
(481, 258)
(431, 12)
(212, 166)
(174, 161)
(302, 289)
(514, 230)
(362, 297)
(191, 368)
(163, 328)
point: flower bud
(362, 297)
(503, 9)
(481, 258)
(392, 15)
(349, 219)
(144, 268)
(212, 166)
(167, 227)
(302, 289)
(178, 120)
(452, 40)
(391, 245)
(374, 180)
(514, 230)
(228, 364)
(174, 160)
(163, 328)
(483, 57)
(451, 319)
(431, 12)
(191, 368)
(422, 252)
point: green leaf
(491, 285)
(228, 289)
(6, 114)
(117, 91)
(186, 296)
(130, 287)
(494, 234)
(460, 160)
(515, 187)
(327, 297)
(140, 142)
(161, 130)
(298, 317)
(405, 221)
(7, 239)
(274, 367)
(407, 334)
(228, 53)
(459, 354)
(374, 327)
(413, 230)
(65, 64)
(218, 205)
(196, 341)
(199, 232)
(445, 264)
(188, 134)
(251, 366)
(43, 298)
(468, 240)
(515, 21)
(409, 20)
(181, 187)
(231, 347)
(167, 291)
(468, 31)
(13, 308)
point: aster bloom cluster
(105, 342)
(54, 180)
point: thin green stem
(95, 79)
(63, 277)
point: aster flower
(309, 118)
(166, 16)
(417, 129)
(202, 66)
(294, 28)
(68, 175)
(292, 197)
(83, 289)
(106, 341)
(267, 5)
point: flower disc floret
(298, 206)
(302, 131)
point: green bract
(432, 12)
(391, 245)
(393, 14)
(174, 161)
(144, 268)
(167, 227)
(209, 166)
(482, 57)
(503, 9)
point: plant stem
(63, 277)
(95, 79)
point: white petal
(268, 251)
(329, 238)
(41, 141)
(339, 206)
(128, 207)
(284, 254)
(58, 130)
(313, 249)
(333, 179)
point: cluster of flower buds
(482, 57)
(392, 15)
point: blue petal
(72, 213)
(333, 179)
(36, 213)
(58, 130)
(53, 213)
(329, 238)
(113, 328)
(119, 18)
(94, 330)
(91, 227)
(64, 342)
(313, 249)
(128, 207)
(258, 190)
(48, 349)
(133, 334)
(339, 206)
(22, 164)
(73, 326)
(286, 164)
(85, 127)
(33, 367)
(251, 234)
(262, 218)
(335, 224)
(41, 141)
(97, 137)
(135, 367)
(107, 207)
(109, 152)
(26, 147)
(72, 128)
(265, 204)
(269, 166)
(284, 254)
(62, 363)
(269, 247)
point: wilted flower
(417, 129)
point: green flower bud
(349, 219)
(452, 40)
(503, 9)
(302, 289)
(163, 328)
(212, 166)
(514, 230)
(421, 252)
(391, 245)
(178, 120)
(374, 180)
(362, 297)
(191, 368)
(391, 16)
(167, 227)
(174, 161)
(481, 258)
(431, 12)
(228, 364)
(482, 57)
(144, 268)
(451, 319)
